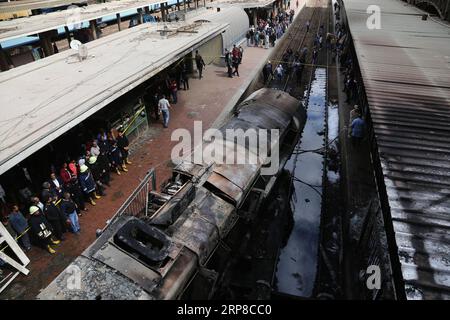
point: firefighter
(87, 183)
(41, 229)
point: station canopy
(13, 6)
(245, 4)
(42, 100)
(21, 27)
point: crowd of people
(233, 59)
(267, 32)
(63, 197)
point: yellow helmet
(34, 209)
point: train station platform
(405, 89)
(208, 99)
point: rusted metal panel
(231, 191)
(405, 67)
(189, 168)
(122, 262)
(208, 218)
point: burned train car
(195, 225)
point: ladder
(20, 267)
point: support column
(178, 5)
(118, 21)
(147, 10)
(5, 61)
(66, 29)
(255, 17)
(93, 26)
(446, 12)
(184, 5)
(163, 12)
(140, 16)
(46, 43)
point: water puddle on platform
(297, 264)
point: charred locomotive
(196, 225)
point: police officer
(123, 144)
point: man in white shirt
(164, 106)
(95, 149)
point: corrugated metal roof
(406, 72)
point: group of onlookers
(64, 195)
(233, 59)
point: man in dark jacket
(97, 175)
(76, 194)
(56, 185)
(229, 63)
(56, 218)
(115, 158)
(20, 225)
(103, 164)
(200, 64)
(123, 144)
(69, 208)
(41, 229)
(184, 76)
(267, 71)
(46, 192)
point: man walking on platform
(357, 133)
(164, 107)
(200, 64)
(228, 61)
(267, 70)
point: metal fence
(372, 249)
(137, 202)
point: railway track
(289, 83)
(301, 91)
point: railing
(137, 203)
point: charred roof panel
(405, 67)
